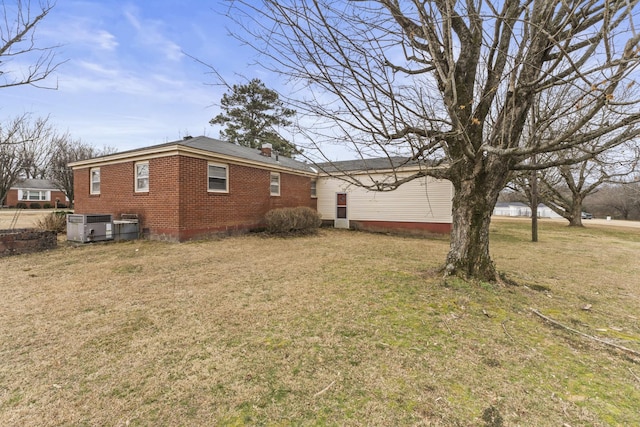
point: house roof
(378, 163)
(201, 145)
(35, 184)
(253, 154)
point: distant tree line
(33, 148)
(616, 200)
(620, 201)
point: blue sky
(126, 82)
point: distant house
(511, 209)
(518, 209)
(420, 206)
(192, 188)
(31, 191)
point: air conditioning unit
(126, 228)
(85, 228)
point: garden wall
(22, 241)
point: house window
(95, 181)
(142, 177)
(218, 178)
(314, 194)
(35, 195)
(275, 184)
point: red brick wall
(157, 209)
(398, 227)
(12, 199)
(178, 205)
(17, 242)
(243, 207)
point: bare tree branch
(18, 41)
(450, 84)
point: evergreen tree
(251, 114)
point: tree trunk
(473, 204)
(534, 206)
(575, 219)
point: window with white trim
(142, 177)
(35, 195)
(218, 178)
(95, 181)
(275, 184)
(314, 192)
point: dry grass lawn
(22, 218)
(342, 328)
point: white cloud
(150, 33)
(106, 40)
(80, 32)
(125, 82)
(96, 68)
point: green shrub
(55, 221)
(300, 220)
(21, 205)
(47, 206)
(35, 205)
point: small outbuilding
(420, 206)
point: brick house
(41, 191)
(192, 188)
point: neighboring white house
(420, 206)
(520, 209)
(545, 211)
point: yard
(342, 328)
(22, 218)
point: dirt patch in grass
(342, 328)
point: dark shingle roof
(36, 184)
(378, 163)
(217, 146)
(253, 154)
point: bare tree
(19, 150)
(582, 180)
(33, 148)
(619, 200)
(18, 43)
(451, 84)
(65, 150)
(565, 188)
(9, 159)
(35, 153)
(16, 138)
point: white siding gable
(421, 200)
